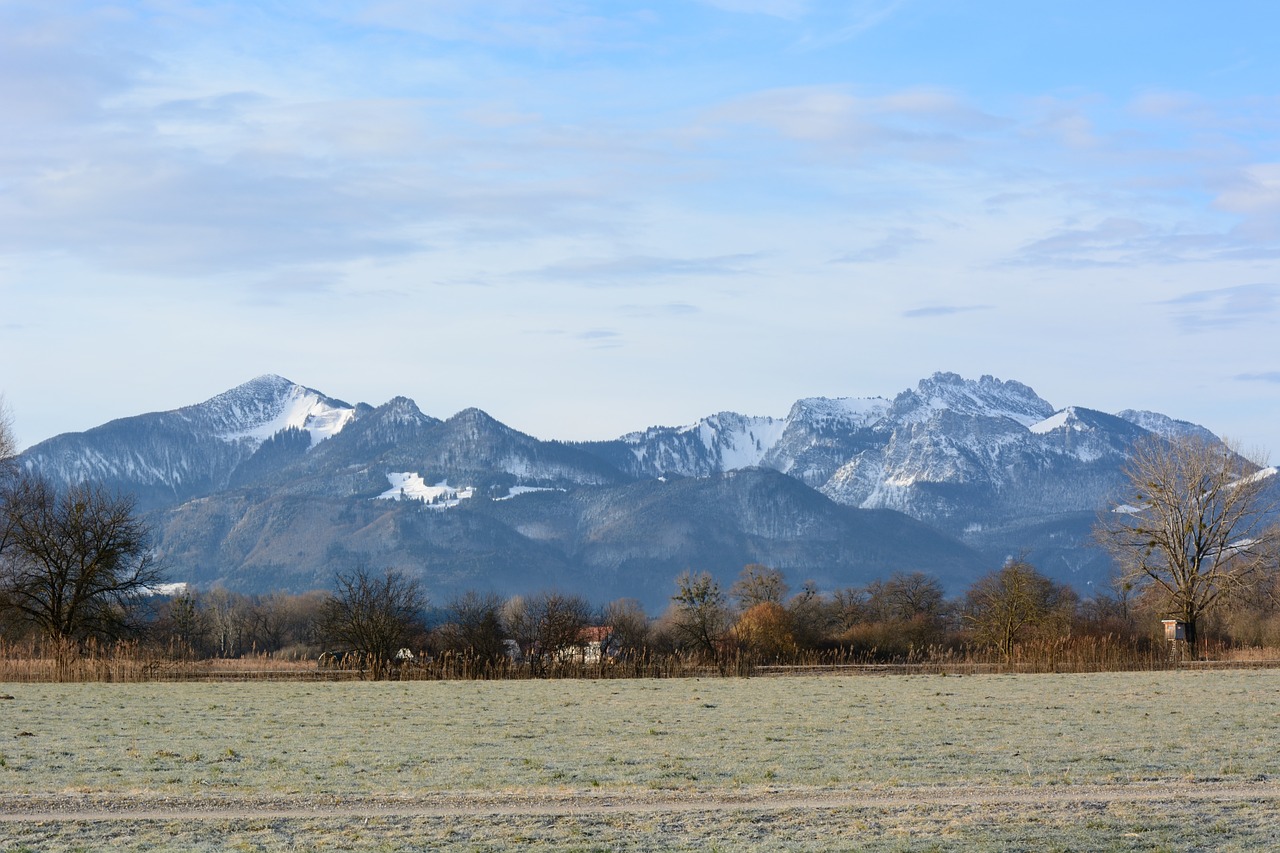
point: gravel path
(47, 808)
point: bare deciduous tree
(849, 606)
(474, 626)
(758, 584)
(278, 620)
(223, 623)
(228, 620)
(628, 625)
(1197, 524)
(75, 564)
(375, 616)
(812, 616)
(547, 626)
(904, 597)
(184, 625)
(1009, 605)
(698, 618)
(561, 620)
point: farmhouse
(596, 643)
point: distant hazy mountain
(275, 485)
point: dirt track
(45, 808)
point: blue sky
(588, 218)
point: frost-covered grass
(1161, 826)
(827, 734)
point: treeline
(380, 625)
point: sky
(589, 218)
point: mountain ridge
(986, 466)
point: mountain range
(274, 485)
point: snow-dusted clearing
(516, 491)
(408, 486)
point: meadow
(1146, 760)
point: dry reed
(34, 661)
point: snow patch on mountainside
(1072, 436)
(722, 442)
(300, 408)
(515, 491)
(738, 441)
(408, 486)
(1054, 421)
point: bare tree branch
(8, 441)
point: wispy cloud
(1067, 123)
(601, 338)
(1122, 241)
(852, 21)
(1226, 307)
(944, 310)
(110, 154)
(211, 109)
(1253, 193)
(632, 268)
(296, 282)
(594, 338)
(922, 124)
(1247, 114)
(669, 309)
(895, 244)
(787, 9)
(560, 27)
(821, 24)
(1106, 244)
(1272, 376)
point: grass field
(1172, 760)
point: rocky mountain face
(952, 452)
(275, 485)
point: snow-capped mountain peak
(986, 397)
(839, 412)
(262, 407)
(165, 456)
(737, 441)
(1165, 426)
(721, 442)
